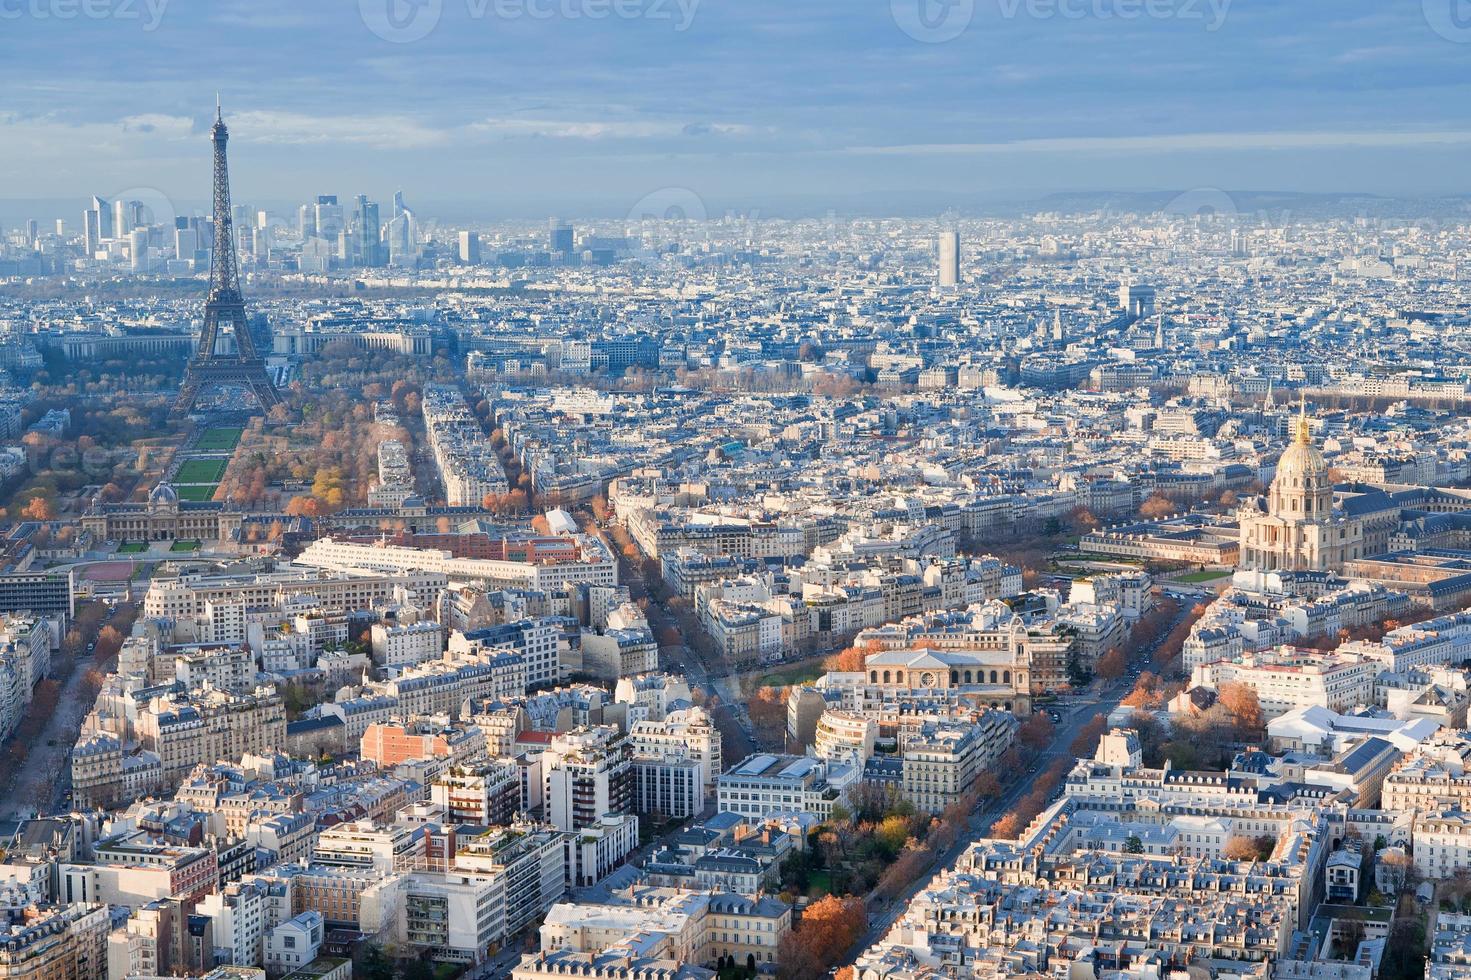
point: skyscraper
(138, 249)
(104, 216)
(329, 217)
(91, 232)
(33, 231)
(369, 232)
(949, 258)
(560, 238)
(469, 248)
(186, 240)
(306, 222)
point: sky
(613, 106)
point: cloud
(1180, 143)
(385, 131)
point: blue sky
(746, 103)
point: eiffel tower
(241, 367)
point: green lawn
(198, 491)
(219, 440)
(796, 675)
(201, 471)
(132, 547)
(1209, 575)
(184, 546)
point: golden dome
(1301, 460)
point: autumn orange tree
(1244, 706)
(828, 929)
(1086, 742)
(1158, 506)
(852, 659)
(1111, 665)
(1036, 732)
(767, 709)
(1011, 825)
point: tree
(302, 506)
(1081, 519)
(1395, 867)
(987, 786)
(1086, 741)
(1008, 827)
(419, 969)
(376, 965)
(1158, 506)
(38, 509)
(1111, 665)
(1243, 705)
(851, 659)
(1133, 845)
(768, 709)
(828, 928)
(1036, 732)
(1240, 849)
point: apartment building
(766, 784)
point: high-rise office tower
(369, 231)
(469, 248)
(104, 216)
(33, 231)
(329, 219)
(949, 258)
(186, 240)
(91, 232)
(306, 222)
(60, 228)
(399, 207)
(121, 226)
(560, 238)
(138, 249)
(399, 238)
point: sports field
(201, 471)
(219, 440)
(198, 491)
(1208, 575)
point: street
(1077, 713)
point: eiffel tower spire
(242, 366)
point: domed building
(163, 517)
(1300, 530)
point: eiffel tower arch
(214, 364)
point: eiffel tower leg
(265, 393)
(188, 391)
